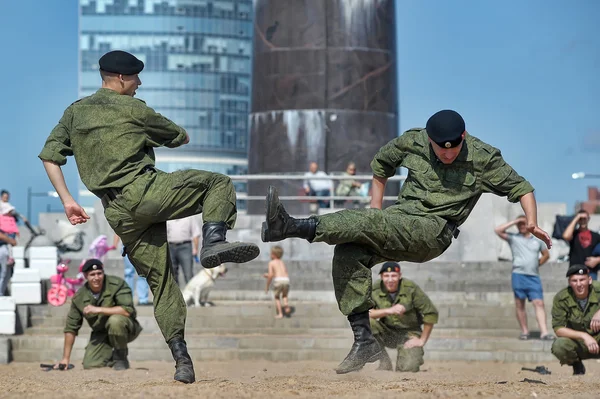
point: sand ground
(262, 379)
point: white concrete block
(7, 304)
(19, 263)
(8, 321)
(43, 253)
(26, 293)
(46, 267)
(18, 252)
(26, 276)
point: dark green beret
(388, 267)
(120, 62)
(577, 269)
(445, 128)
(92, 264)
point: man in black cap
(401, 307)
(448, 170)
(107, 305)
(112, 136)
(576, 320)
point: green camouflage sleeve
(74, 320)
(389, 157)
(424, 306)
(58, 144)
(161, 131)
(124, 299)
(501, 179)
(559, 313)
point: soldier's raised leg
(183, 193)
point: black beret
(120, 62)
(445, 128)
(390, 267)
(577, 269)
(92, 264)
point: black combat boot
(365, 349)
(385, 363)
(184, 368)
(216, 251)
(280, 225)
(120, 359)
(578, 368)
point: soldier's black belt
(454, 228)
(112, 193)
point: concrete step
(39, 349)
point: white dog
(197, 290)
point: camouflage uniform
(567, 313)
(108, 332)
(417, 227)
(393, 331)
(112, 138)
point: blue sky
(524, 75)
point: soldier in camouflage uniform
(107, 305)
(112, 136)
(401, 307)
(576, 320)
(448, 171)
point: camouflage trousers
(120, 330)
(409, 359)
(366, 237)
(139, 215)
(568, 350)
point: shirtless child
(281, 281)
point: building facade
(197, 56)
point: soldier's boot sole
(228, 252)
(357, 362)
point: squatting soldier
(112, 136)
(576, 319)
(401, 307)
(107, 305)
(448, 171)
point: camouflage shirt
(112, 138)
(115, 292)
(448, 191)
(566, 312)
(419, 308)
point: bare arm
(116, 240)
(530, 208)
(378, 313)
(196, 242)
(74, 212)
(269, 277)
(501, 230)
(427, 328)
(7, 239)
(568, 233)
(377, 191)
(67, 348)
(545, 256)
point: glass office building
(197, 56)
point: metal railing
(312, 198)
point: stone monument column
(324, 89)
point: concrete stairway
(468, 330)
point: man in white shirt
(317, 187)
(183, 236)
